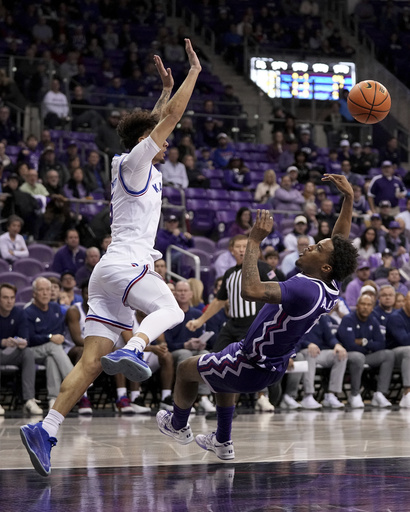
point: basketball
(369, 102)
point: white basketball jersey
(68, 340)
(136, 194)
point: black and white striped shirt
(241, 310)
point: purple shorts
(229, 371)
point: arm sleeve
(136, 166)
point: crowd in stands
(54, 190)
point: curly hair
(343, 259)
(134, 125)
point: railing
(168, 258)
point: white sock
(134, 395)
(136, 343)
(52, 422)
(165, 393)
(121, 392)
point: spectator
(227, 259)
(237, 175)
(83, 115)
(319, 347)
(367, 244)
(107, 138)
(327, 213)
(333, 165)
(403, 218)
(386, 187)
(377, 224)
(208, 133)
(288, 263)
(273, 241)
(174, 172)
(186, 147)
(12, 244)
(396, 240)
(361, 207)
(360, 334)
(288, 156)
(76, 187)
(323, 232)
(70, 257)
(383, 270)
(352, 178)
(9, 91)
(194, 172)
(33, 187)
(266, 189)
(92, 257)
(293, 172)
(52, 183)
(276, 148)
(272, 259)
(57, 220)
(42, 33)
(309, 192)
(299, 228)
(391, 153)
(94, 173)
(160, 267)
(9, 133)
(30, 154)
(55, 107)
(308, 147)
(116, 93)
(13, 346)
(287, 198)
(394, 280)
(305, 172)
(171, 235)
(398, 340)
(243, 222)
(68, 285)
(183, 344)
(353, 288)
(224, 151)
(385, 306)
(49, 161)
(385, 214)
(46, 336)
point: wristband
(365, 341)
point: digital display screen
(303, 80)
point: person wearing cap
(398, 340)
(385, 214)
(386, 187)
(173, 171)
(360, 334)
(287, 198)
(300, 227)
(48, 161)
(292, 171)
(344, 150)
(223, 152)
(382, 271)
(377, 224)
(71, 151)
(396, 241)
(333, 164)
(306, 145)
(171, 234)
(107, 138)
(55, 108)
(352, 292)
(403, 218)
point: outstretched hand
(341, 183)
(192, 56)
(262, 227)
(165, 74)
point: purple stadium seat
(223, 243)
(222, 204)
(241, 195)
(30, 267)
(204, 256)
(15, 278)
(197, 204)
(205, 244)
(223, 220)
(196, 193)
(215, 183)
(355, 231)
(42, 253)
(4, 266)
(49, 274)
(25, 294)
(213, 173)
(202, 217)
(172, 195)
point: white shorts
(110, 312)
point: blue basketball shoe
(128, 362)
(38, 444)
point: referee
(241, 312)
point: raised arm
(253, 289)
(175, 108)
(167, 86)
(344, 221)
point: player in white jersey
(124, 279)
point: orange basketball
(369, 102)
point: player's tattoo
(160, 104)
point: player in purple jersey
(292, 308)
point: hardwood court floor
(287, 461)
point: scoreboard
(305, 80)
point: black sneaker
(139, 406)
(167, 404)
